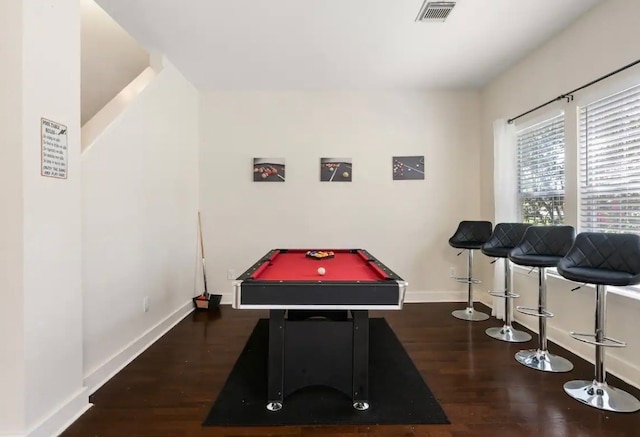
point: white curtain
(505, 194)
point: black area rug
(397, 392)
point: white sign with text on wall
(54, 149)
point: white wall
(93, 128)
(111, 58)
(12, 403)
(406, 224)
(52, 247)
(139, 227)
(41, 352)
(603, 40)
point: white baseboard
(64, 416)
(435, 296)
(227, 299)
(97, 377)
(626, 371)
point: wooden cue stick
(204, 265)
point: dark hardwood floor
(168, 390)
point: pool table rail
(382, 294)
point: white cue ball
(321, 271)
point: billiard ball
(321, 271)
(345, 175)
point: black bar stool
(470, 236)
(603, 260)
(542, 247)
(504, 238)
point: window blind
(541, 172)
(610, 163)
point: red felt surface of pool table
(294, 265)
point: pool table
(318, 323)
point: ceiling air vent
(435, 11)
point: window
(541, 172)
(610, 163)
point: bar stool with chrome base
(603, 260)
(470, 236)
(504, 238)
(542, 247)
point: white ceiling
(341, 44)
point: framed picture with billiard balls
(268, 169)
(336, 170)
(408, 167)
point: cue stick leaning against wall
(204, 264)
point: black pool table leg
(360, 359)
(275, 383)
